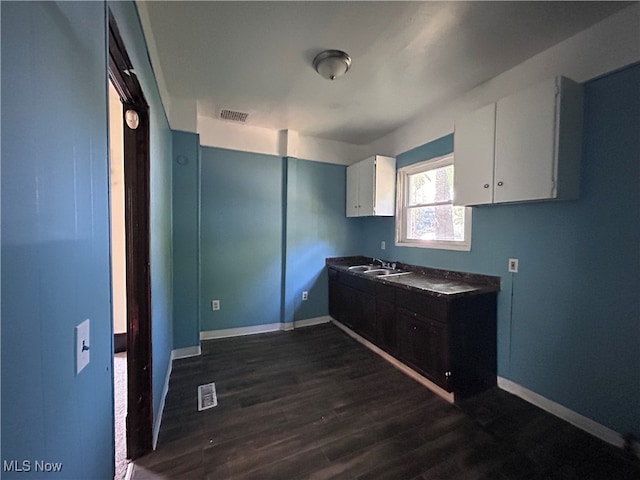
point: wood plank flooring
(315, 404)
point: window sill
(457, 246)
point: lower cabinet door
(351, 311)
(367, 308)
(423, 344)
(334, 297)
(386, 326)
(339, 301)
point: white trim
(129, 474)
(309, 322)
(401, 239)
(237, 332)
(449, 397)
(163, 398)
(186, 352)
(584, 423)
(257, 329)
(287, 326)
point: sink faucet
(384, 264)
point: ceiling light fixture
(332, 64)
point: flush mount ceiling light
(332, 64)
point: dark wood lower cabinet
(386, 337)
(366, 305)
(424, 344)
(449, 340)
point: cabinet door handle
(500, 184)
(486, 185)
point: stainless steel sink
(376, 271)
(362, 268)
(385, 272)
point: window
(426, 216)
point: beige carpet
(120, 397)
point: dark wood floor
(315, 404)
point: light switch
(82, 346)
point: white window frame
(402, 196)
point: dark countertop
(447, 284)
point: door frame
(139, 424)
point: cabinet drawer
(423, 304)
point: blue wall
(573, 335)
(267, 224)
(55, 238)
(316, 228)
(55, 232)
(186, 239)
(161, 219)
(241, 238)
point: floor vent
(233, 115)
(207, 396)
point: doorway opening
(118, 278)
(132, 111)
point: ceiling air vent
(234, 116)
(207, 396)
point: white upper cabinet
(371, 187)
(473, 157)
(525, 147)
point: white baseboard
(163, 398)
(584, 423)
(129, 474)
(256, 329)
(237, 332)
(309, 322)
(186, 352)
(410, 372)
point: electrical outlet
(215, 305)
(383, 245)
(513, 265)
(305, 296)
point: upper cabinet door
(473, 157)
(525, 147)
(353, 180)
(371, 187)
(366, 186)
(384, 203)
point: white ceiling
(408, 57)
